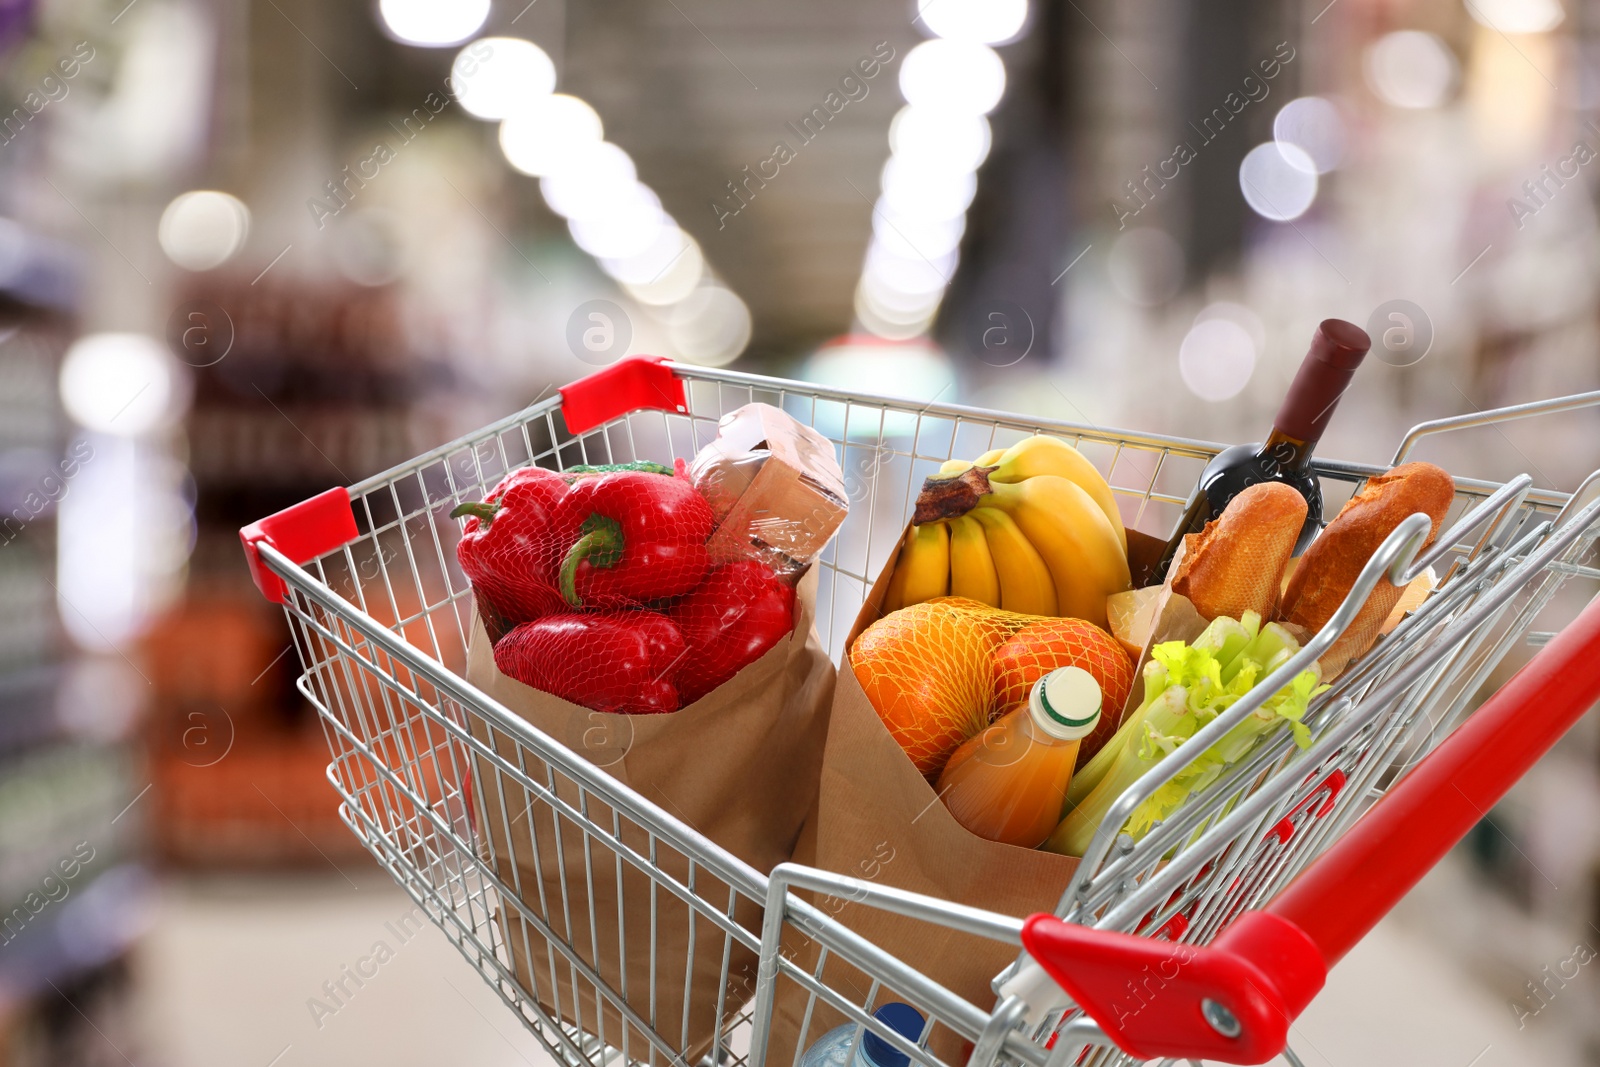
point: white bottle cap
(1066, 703)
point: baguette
(1236, 563)
(1324, 575)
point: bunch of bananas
(1032, 529)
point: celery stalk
(1186, 687)
(1085, 778)
(1162, 716)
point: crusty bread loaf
(1236, 563)
(1331, 565)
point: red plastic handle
(302, 532)
(1355, 883)
(632, 384)
(1233, 1000)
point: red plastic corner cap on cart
(641, 382)
(302, 532)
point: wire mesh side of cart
(382, 628)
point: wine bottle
(1337, 349)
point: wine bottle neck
(1286, 450)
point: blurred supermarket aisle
(232, 968)
(233, 972)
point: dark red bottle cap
(1337, 349)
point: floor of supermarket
(232, 971)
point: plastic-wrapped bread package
(775, 489)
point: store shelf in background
(267, 803)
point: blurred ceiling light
(673, 282)
(877, 307)
(118, 383)
(956, 76)
(1517, 16)
(893, 302)
(670, 245)
(1279, 181)
(977, 21)
(906, 237)
(711, 326)
(597, 176)
(514, 76)
(202, 229)
(1313, 125)
(1216, 359)
(913, 274)
(892, 326)
(939, 140)
(1146, 266)
(919, 193)
(537, 139)
(626, 231)
(433, 23)
(1410, 69)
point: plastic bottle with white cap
(1009, 782)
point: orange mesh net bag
(940, 671)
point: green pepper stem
(601, 545)
(481, 510)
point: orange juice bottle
(1009, 782)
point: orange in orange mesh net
(940, 671)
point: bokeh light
(977, 21)
(203, 229)
(1517, 16)
(594, 178)
(1313, 125)
(711, 326)
(1410, 69)
(1216, 359)
(118, 383)
(1279, 181)
(954, 76)
(676, 280)
(536, 139)
(941, 141)
(433, 23)
(513, 75)
(630, 228)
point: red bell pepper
(507, 547)
(631, 538)
(621, 661)
(739, 612)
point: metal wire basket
(381, 616)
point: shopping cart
(1195, 913)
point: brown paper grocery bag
(739, 766)
(879, 820)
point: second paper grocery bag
(739, 766)
(877, 818)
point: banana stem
(951, 496)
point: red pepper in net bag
(630, 538)
(506, 548)
(620, 661)
(740, 611)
